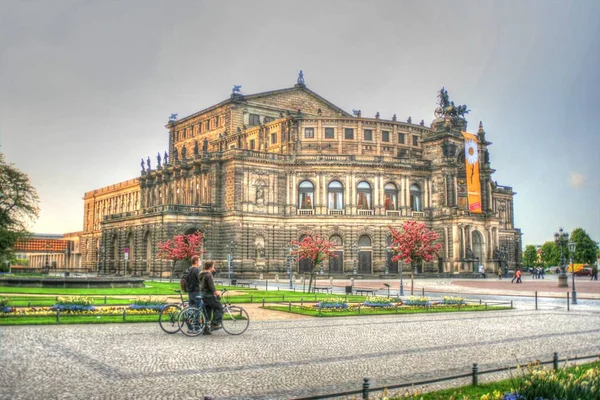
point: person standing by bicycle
(193, 281)
(210, 295)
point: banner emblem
(472, 171)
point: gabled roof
(257, 96)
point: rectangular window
(217, 121)
(385, 136)
(252, 144)
(401, 138)
(329, 133)
(415, 140)
(368, 134)
(273, 138)
(254, 120)
(348, 133)
(208, 125)
(309, 133)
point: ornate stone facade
(256, 171)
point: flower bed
(452, 300)
(417, 301)
(333, 303)
(377, 301)
(72, 307)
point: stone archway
(478, 250)
(392, 267)
(365, 255)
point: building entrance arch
(365, 255)
(478, 253)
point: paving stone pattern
(279, 359)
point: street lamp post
(290, 257)
(354, 255)
(561, 238)
(230, 248)
(572, 247)
(401, 263)
(387, 250)
(47, 266)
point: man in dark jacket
(194, 281)
(211, 295)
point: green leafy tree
(550, 254)
(586, 250)
(19, 207)
(530, 256)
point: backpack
(185, 281)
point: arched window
(364, 241)
(336, 240)
(391, 196)
(306, 195)
(335, 196)
(363, 196)
(416, 199)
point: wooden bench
(219, 282)
(322, 289)
(243, 284)
(365, 291)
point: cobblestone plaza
(281, 359)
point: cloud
(577, 180)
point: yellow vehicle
(575, 267)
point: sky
(86, 87)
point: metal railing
(473, 374)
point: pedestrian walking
(517, 276)
(594, 273)
(499, 272)
(482, 271)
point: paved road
(279, 359)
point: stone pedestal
(563, 280)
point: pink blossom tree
(181, 247)
(413, 244)
(314, 248)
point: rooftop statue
(173, 117)
(300, 78)
(447, 108)
(158, 159)
(166, 158)
(148, 164)
(143, 165)
(236, 89)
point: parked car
(584, 272)
(553, 270)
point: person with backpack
(211, 296)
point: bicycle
(168, 318)
(194, 320)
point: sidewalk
(548, 287)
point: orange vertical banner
(472, 170)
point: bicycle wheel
(235, 320)
(168, 318)
(192, 321)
